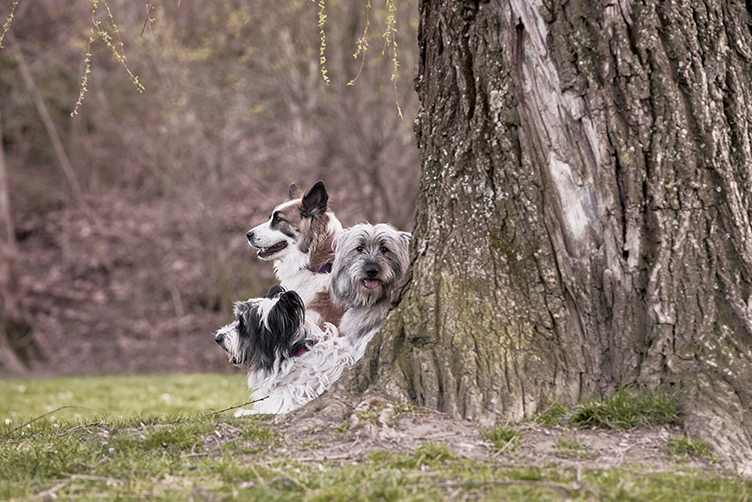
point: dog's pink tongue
(371, 284)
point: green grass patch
(504, 437)
(626, 409)
(552, 414)
(686, 446)
(118, 396)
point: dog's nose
(220, 338)
(249, 235)
(372, 271)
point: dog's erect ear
(294, 192)
(315, 201)
(274, 291)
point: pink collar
(305, 348)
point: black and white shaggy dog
(289, 359)
(368, 262)
(298, 237)
(289, 356)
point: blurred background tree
(134, 270)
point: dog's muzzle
(372, 270)
(220, 339)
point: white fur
(299, 380)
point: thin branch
(49, 125)
(94, 478)
(50, 413)
(8, 22)
(149, 10)
(238, 406)
(51, 491)
(510, 482)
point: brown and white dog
(298, 236)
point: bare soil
(336, 432)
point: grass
(552, 414)
(573, 447)
(177, 452)
(684, 446)
(504, 437)
(626, 409)
(118, 396)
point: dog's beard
(369, 260)
(266, 332)
(355, 287)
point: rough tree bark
(584, 215)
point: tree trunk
(16, 338)
(584, 214)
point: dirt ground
(338, 433)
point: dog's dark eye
(384, 249)
(359, 249)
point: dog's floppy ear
(288, 312)
(294, 192)
(315, 201)
(285, 320)
(400, 248)
(274, 291)
(339, 238)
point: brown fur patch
(329, 312)
(320, 243)
(291, 214)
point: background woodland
(134, 270)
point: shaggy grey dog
(368, 262)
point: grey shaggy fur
(368, 262)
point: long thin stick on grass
(52, 492)
(50, 413)
(541, 484)
(238, 406)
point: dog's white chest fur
(293, 275)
